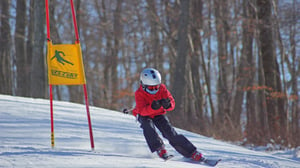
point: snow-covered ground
(25, 140)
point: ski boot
(162, 153)
(197, 156)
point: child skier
(153, 100)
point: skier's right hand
(155, 104)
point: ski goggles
(151, 88)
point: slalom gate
(65, 67)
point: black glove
(165, 103)
(155, 105)
(139, 118)
(125, 111)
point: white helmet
(150, 77)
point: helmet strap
(143, 86)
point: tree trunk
(38, 78)
(206, 69)
(179, 80)
(246, 73)
(29, 47)
(21, 59)
(115, 54)
(156, 49)
(196, 117)
(75, 91)
(5, 49)
(262, 108)
(270, 68)
(295, 71)
(222, 89)
(108, 60)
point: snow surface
(119, 142)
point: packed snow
(119, 142)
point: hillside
(25, 140)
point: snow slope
(25, 140)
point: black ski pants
(161, 122)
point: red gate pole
(50, 86)
(47, 20)
(88, 116)
(74, 22)
(51, 115)
(84, 85)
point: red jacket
(144, 100)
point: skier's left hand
(125, 111)
(165, 103)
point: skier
(153, 100)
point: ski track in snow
(119, 142)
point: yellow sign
(65, 66)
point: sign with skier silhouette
(65, 65)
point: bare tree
(295, 131)
(38, 78)
(221, 12)
(5, 50)
(117, 32)
(196, 116)
(271, 69)
(206, 69)
(246, 73)
(155, 41)
(75, 91)
(288, 21)
(179, 79)
(29, 47)
(22, 80)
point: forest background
(231, 65)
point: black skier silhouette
(60, 59)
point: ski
(211, 162)
(207, 162)
(168, 157)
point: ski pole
(126, 111)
